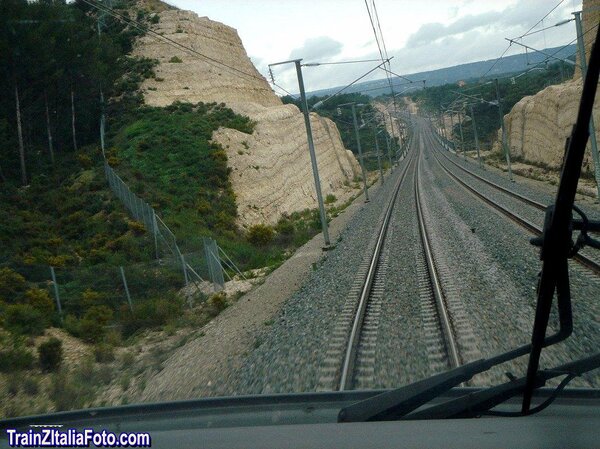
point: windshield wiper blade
(476, 403)
(394, 404)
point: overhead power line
(209, 60)
(520, 37)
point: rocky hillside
(538, 125)
(271, 171)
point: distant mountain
(462, 72)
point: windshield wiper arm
(396, 403)
(476, 403)
(556, 243)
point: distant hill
(465, 72)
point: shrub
(91, 327)
(285, 227)
(91, 298)
(137, 227)
(175, 60)
(50, 354)
(31, 386)
(40, 300)
(150, 313)
(11, 283)
(217, 303)
(260, 234)
(23, 319)
(14, 356)
(84, 160)
(104, 353)
(330, 198)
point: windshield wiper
(556, 242)
(480, 402)
(556, 248)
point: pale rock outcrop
(271, 169)
(538, 125)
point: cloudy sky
(419, 34)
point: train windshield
(213, 199)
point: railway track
(354, 336)
(582, 259)
(441, 335)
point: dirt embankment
(271, 169)
(538, 125)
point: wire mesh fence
(75, 289)
(193, 267)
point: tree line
(511, 89)
(58, 62)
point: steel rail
(580, 258)
(516, 195)
(348, 365)
(443, 315)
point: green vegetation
(260, 234)
(50, 354)
(14, 354)
(432, 99)
(66, 216)
(342, 116)
(167, 155)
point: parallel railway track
(582, 259)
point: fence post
(126, 288)
(155, 232)
(56, 295)
(218, 268)
(185, 275)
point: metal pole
(378, 155)
(126, 288)
(462, 139)
(452, 129)
(360, 155)
(56, 295)
(504, 142)
(155, 232)
(389, 151)
(475, 136)
(313, 156)
(185, 275)
(583, 65)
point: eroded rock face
(538, 125)
(271, 168)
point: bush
(104, 353)
(150, 313)
(50, 354)
(23, 319)
(285, 228)
(136, 227)
(217, 303)
(91, 327)
(175, 60)
(11, 284)
(40, 300)
(330, 198)
(31, 386)
(91, 298)
(14, 356)
(260, 234)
